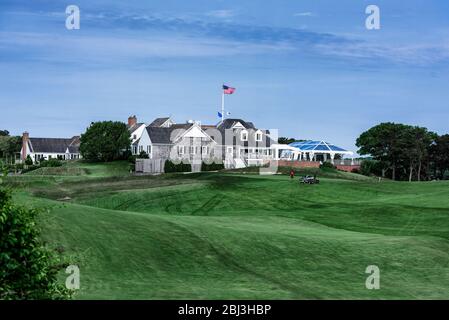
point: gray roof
(162, 135)
(229, 123)
(158, 122)
(54, 145)
(134, 127)
(249, 126)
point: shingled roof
(54, 145)
(249, 126)
(134, 127)
(229, 123)
(159, 122)
(162, 135)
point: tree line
(9, 146)
(404, 152)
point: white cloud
(222, 14)
(304, 14)
(110, 48)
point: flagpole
(222, 106)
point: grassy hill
(244, 236)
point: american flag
(228, 90)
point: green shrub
(143, 155)
(28, 268)
(328, 165)
(132, 159)
(180, 167)
(212, 166)
(30, 168)
(28, 160)
(51, 163)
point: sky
(310, 69)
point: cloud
(115, 35)
(304, 14)
(110, 48)
(423, 54)
(222, 14)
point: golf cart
(309, 180)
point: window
(149, 149)
(205, 150)
(180, 149)
(134, 149)
(140, 148)
(258, 136)
(229, 149)
(244, 135)
(192, 150)
(134, 136)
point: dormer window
(258, 136)
(244, 135)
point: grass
(244, 236)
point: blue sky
(308, 68)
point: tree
(384, 142)
(284, 140)
(28, 268)
(9, 146)
(418, 141)
(4, 133)
(105, 141)
(370, 167)
(439, 155)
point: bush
(132, 159)
(30, 168)
(28, 268)
(327, 165)
(143, 155)
(180, 167)
(212, 166)
(28, 161)
(52, 163)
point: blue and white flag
(220, 115)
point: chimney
(25, 138)
(132, 120)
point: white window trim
(244, 135)
(261, 136)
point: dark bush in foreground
(28, 270)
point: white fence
(150, 165)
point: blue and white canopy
(312, 146)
